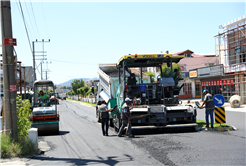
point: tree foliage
(167, 70)
(76, 84)
(23, 112)
(151, 75)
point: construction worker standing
(125, 116)
(209, 106)
(104, 116)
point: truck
(108, 85)
(63, 96)
(154, 104)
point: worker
(175, 73)
(125, 116)
(104, 116)
(209, 106)
(43, 98)
(176, 76)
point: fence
(90, 100)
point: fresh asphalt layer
(81, 143)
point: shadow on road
(161, 131)
(63, 132)
(51, 134)
(111, 160)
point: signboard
(219, 100)
(183, 67)
(215, 83)
(193, 74)
(210, 71)
(219, 113)
(12, 88)
(10, 41)
(235, 68)
(185, 74)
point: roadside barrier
(90, 100)
(220, 115)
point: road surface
(81, 143)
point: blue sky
(84, 34)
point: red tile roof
(198, 62)
(137, 72)
(183, 52)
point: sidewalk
(226, 105)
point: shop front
(211, 79)
(225, 87)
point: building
(231, 49)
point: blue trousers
(211, 113)
(104, 121)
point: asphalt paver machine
(44, 115)
(154, 104)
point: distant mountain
(68, 83)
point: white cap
(127, 99)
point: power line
(45, 20)
(34, 18)
(71, 62)
(30, 20)
(25, 26)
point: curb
(231, 128)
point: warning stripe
(221, 110)
(219, 114)
(219, 119)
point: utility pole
(33, 43)
(33, 55)
(47, 70)
(9, 80)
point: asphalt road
(81, 143)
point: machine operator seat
(131, 79)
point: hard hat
(127, 99)
(204, 91)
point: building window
(243, 58)
(187, 55)
(238, 48)
(187, 90)
(157, 69)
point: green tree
(23, 112)
(76, 84)
(167, 70)
(86, 89)
(151, 75)
(81, 91)
(50, 90)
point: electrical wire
(45, 20)
(71, 62)
(32, 27)
(25, 26)
(34, 18)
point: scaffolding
(231, 49)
